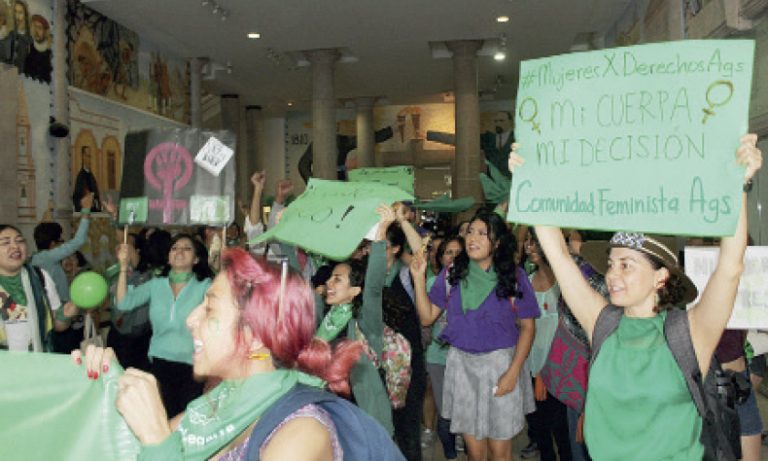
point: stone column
(196, 92)
(365, 132)
(230, 120)
(62, 200)
(468, 160)
(252, 127)
(324, 149)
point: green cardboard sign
(641, 138)
(133, 210)
(398, 176)
(209, 209)
(331, 217)
(51, 410)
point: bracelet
(748, 186)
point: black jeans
(550, 420)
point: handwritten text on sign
(331, 217)
(751, 307)
(640, 138)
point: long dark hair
(504, 246)
(357, 271)
(201, 269)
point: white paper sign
(214, 155)
(209, 209)
(750, 310)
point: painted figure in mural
(22, 40)
(124, 76)
(344, 145)
(6, 38)
(38, 62)
(496, 145)
(86, 182)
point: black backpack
(721, 430)
(361, 437)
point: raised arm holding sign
(604, 149)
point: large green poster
(331, 217)
(640, 138)
(398, 176)
(50, 410)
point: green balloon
(88, 290)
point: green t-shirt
(638, 406)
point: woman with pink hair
(254, 331)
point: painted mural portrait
(37, 65)
(21, 37)
(6, 27)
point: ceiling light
(290, 103)
(502, 19)
(216, 8)
(500, 55)
(224, 15)
(254, 35)
(204, 2)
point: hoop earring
(258, 356)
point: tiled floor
(435, 452)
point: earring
(658, 299)
(258, 356)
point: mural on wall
(399, 128)
(25, 37)
(109, 60)
(25, 164)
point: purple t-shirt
(492, 325)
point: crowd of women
(489, 322)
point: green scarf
(179, 277)
(215, 419)
(393, 272)
(476, 286)
(334, 322)
(12, 284)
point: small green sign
(133, 210)
(209, 209)
(398, 176)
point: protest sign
(641, 138)
(331, 217)
(750, 310)
(133, 210)
(51, 410)
(398, 176)
(159, 165)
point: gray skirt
(468, 399)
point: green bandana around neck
(13, 285)
(393, 272)
(215, 419)
(334, 322)
(476, 286)
(179, 277)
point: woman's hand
(386, 215)
(418, 266)
(749, 155)
(97, 360)
(507, 382)
(122, 255)
(515, 160)
(139, 401)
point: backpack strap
(607, 322)
(298, 397)
(678, 334)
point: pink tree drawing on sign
(168, 168)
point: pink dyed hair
(255, 287)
